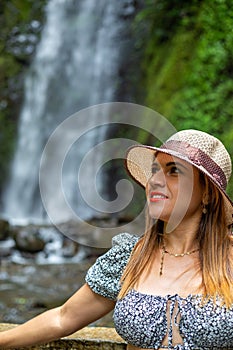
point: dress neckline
(167, 296)
(176, 297)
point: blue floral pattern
(145, 320)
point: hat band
(199, 158)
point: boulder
(29, 239)
(4, 229)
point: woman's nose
(157, 179)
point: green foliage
(164, 17)
(188, 64)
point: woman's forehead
(161, 157)
(164, 159)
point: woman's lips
(157, 196)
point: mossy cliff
(187, 64)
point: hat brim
(138, 162)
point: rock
(69, 248)
(89, 338)
(4, 229)
(4, 253)
(29, 239)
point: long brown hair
(216, 257)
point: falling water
(75, 66)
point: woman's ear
(205, 198)
(205, 201)
(205, 184)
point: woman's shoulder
(122, 246)
(125, 241)
(104, 276)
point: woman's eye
(154, 169)
(175, 170)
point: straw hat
(198, 148)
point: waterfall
(75, 66)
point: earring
(204, 203)
(204, 209)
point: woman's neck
(182, 239)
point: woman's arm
(82, 308)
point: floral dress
(152, 322)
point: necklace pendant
(161, 263)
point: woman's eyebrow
(176, 163)
(155, 163)
(169, 164)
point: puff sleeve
(104, 276)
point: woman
(173, 287)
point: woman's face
(174, 190)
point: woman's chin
(158, 215)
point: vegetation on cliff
(187, 64)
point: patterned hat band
(199, 158)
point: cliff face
(187, 64)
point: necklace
(164, 251)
